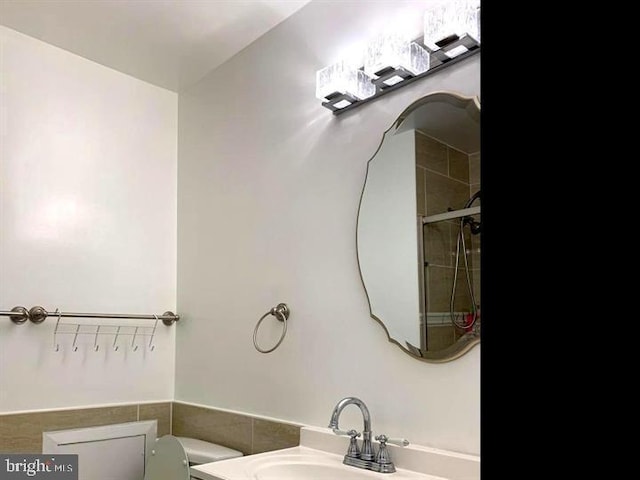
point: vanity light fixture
(451, 34)
(340, 85)
(390, 59)
(452, 28)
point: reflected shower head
(474, 226)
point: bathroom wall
(88, 165)
(269, 185)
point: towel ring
(281, 312)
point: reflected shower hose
(474, 308)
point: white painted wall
(388, 237)
(88, 165)
(269, 184)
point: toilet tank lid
(199, 451)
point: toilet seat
(168, 461)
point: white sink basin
(320, 455)
(297, 463)
(305, 465)
(305, 470)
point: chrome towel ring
(281, 312)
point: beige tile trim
(22, 432)
(171, 418)
(82, 407)
(245, 414)
(240, 431)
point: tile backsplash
(22, 432)
(241, 432)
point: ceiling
(169, 43)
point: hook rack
(116, 331)
(37, 314)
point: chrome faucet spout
(367, 452)
(366, 458)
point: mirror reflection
(419, 228)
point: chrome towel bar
(37, 314)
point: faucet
(367, 458)
(367, 449)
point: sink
(294, 467)
(296, 463)
(301, 470)
(320, 456)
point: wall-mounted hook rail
(37, 314)
(138, 334)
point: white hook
(96, 347)
(151, 346)
(133, 340)
(75, 338)
(115, 347)
(55, 332)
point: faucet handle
(383, 439)
(383, 457)
(353, 450)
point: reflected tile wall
(421, 199)
(458, 165)
(431, 154)
(474, 171)
(440, 337)
(437, 244)
(440, 281)
(444, 193)
(446, 178)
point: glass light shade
(393, 51)
(454, 17)
(345, 79)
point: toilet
(172, 456)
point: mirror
(419, 228)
